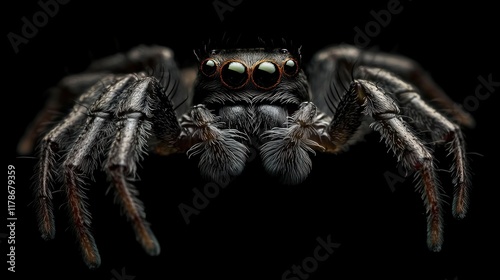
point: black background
(256, 228)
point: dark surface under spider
(135, 103)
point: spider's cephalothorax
(261, 85)
(241, 97)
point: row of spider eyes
(235, 74)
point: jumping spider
(259, 97)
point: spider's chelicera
(260, 97)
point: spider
(266, 97)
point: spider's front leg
(430, 121)
(408, 148)
(391, 94)
(114, 119)
(337, 64)
(380, 103)
(156, 59)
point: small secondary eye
(266, 75)
(290, 67)
(209, 67)
(234, 74)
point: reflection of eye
(266, 75)
(234, 74)
(208, 67)
(290, 67)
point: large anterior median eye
(266, 75)
(234, 74)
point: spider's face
(265, 85)
(250, 76)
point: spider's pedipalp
(222, 154)
(285, 152)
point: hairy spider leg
(429, 120)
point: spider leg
(118, 118)
(158, 59)
(409, 150)
(118, 114)
(348, 57)
(364, 99)
(67, 90)
(52, 143)
(426, 118)
(81, 160)
(444, 130)
(135, 114)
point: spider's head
(255, 76)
